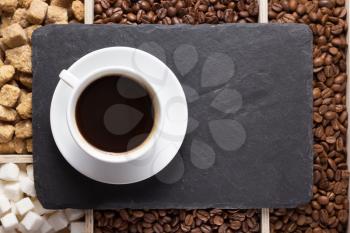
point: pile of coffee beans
(159, 221)
(328, 209)
(175, 11)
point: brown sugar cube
(26, 80)
(6, 74)
(3, 47)
(30, 30)
(78, 10)
(20, 58)
(6, 132)
(8, 6)
(61, 3)
(20, 145)
(37, 12)
(29, 144)
(22, 96)
(23, 129)
(9, 95)
(7, 114)
(24, 3)
(14, 36)
(24, 109)
(20, 17)
(5, 22)
(7, 148)
(57, 15)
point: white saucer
(173, 130)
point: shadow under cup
(117, 113)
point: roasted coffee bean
(323, 200)
(159, 221)
(189, 220)
(218, 220)
(98, 9)
(116, 17)
(235, 225)
(180, 11)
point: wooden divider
(265, 214)
(16, 158)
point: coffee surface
(115, 114)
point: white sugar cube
(5, 204)
(27, 186)
(9, 221)
(24, 205)
(12, 191)
(46, 227)
(30, 172)
(73, 214)
(58, 221)
(39, 209)
(77, 227)
(22, 229)
(9, 172)
(2, 230)
(13, 208)
(32, 221)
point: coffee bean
(323, 200)
(149, 218)
(324, 216)
(105, 4)
(326, 3)
(205, 228)
(98, 9)
(189, 220)
(138, 213)
(218, 220)
(292, 5)
(116, 17)
(145, 5)
(330, 115)
(291, 227)
(342, 216)
(131, 17)
(235, 225)
(161, 13)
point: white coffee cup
(169, 106)
(78, 86)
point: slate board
(249, 89)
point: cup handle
(70, 79)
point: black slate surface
(249, 143)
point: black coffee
(115, 114)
